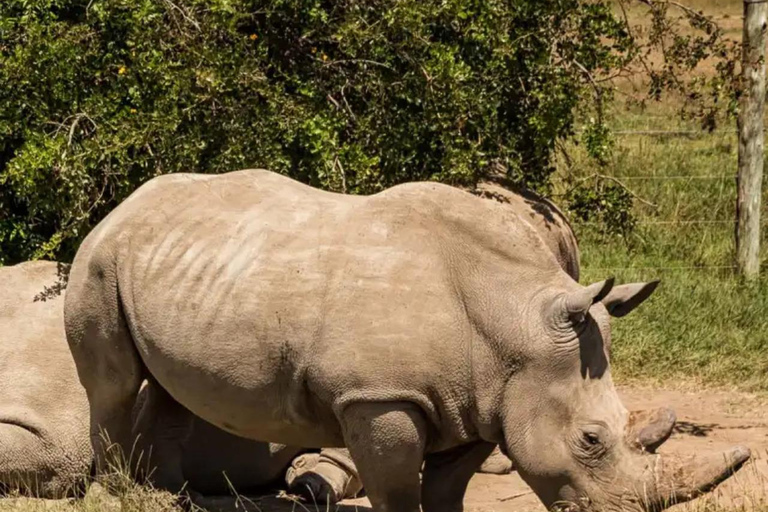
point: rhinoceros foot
(320, 480)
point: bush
(98, 96)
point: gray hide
(420, 325)
(44, 444)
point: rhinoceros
(44, 442)
(419, 327)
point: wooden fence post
(751, 140)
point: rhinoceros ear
(626, 297)
(577, 303)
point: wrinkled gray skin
(239, 294)
(556, 233)
(549, 222)
(44, 444)
(45, 449)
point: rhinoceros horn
(648, 429)
(680, 479)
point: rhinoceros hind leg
(108, 364)
(387, 441)
(497, 464)
(447, 475)
(162, 427)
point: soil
(707, 421)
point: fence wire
(713, 177)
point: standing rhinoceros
(44, 443)
(418, 325)
(32, 324)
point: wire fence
(720, 268)
(677, 222)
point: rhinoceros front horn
(647, 430)
(682, 479)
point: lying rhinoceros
(44, 446)
(418, 325)
(44, 443)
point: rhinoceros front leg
(447, 475)
(387, 443)
(162, 428)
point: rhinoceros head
(566, 429)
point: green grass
(704, 324)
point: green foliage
(98, 96)
(605, 203)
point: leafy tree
(98, 96)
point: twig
(598, 90)
(359, 61)
(515, 496)
(183, 14)
(337, 163)
(631, 192)
(333, 100)
(684, 8)
(346, 103)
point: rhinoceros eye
(591, 438)
(591, 445)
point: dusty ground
(710, 420)
(707, 420)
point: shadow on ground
(271, 504)
(690, 428)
